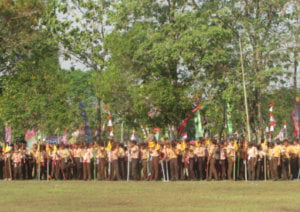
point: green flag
(229, 123)
(198, 125)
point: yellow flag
(109, 146)
(151, 144)
(157, 147)
(236, 146)
(6, 149)
(55, 149)
(207, 142)
(264, 145)
(183, 145)
(48, 149)
(38, 149)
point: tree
(165, 49)
(80, 27)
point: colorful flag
(30, 137)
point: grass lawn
(149, 196)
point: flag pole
(245, 90)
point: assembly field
(149, 196)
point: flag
(109, 122)
(65, 137)
(109, 146)
(55, 149)
(236, 146)
(183, 145)
(156, 131)
(229, 123)
(296, 118)
(133, 136)
(198, 125)
(151, 144)
(30, 137)
(272, 120)
(184, 136)
(8, 134)
(188, 117)
(144, 132)
(7, 148)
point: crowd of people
(204, 159)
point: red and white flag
(184, 136)
(272, 120)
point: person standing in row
(172, 155)
(134, 151)
(274, 155)
(201, 154)
(144, 161)
(101, 155)
(223, 155)
(213, 151)
(17, 164)
(231, 156)
(154, 152)
(87, 156)
(252, 159)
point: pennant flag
(8, 134)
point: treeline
(147, 60)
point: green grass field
(149, 196)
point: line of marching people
(204, 159)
